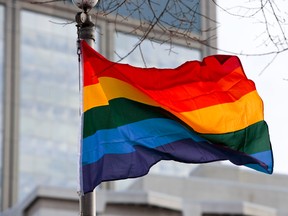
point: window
(49, 103)
(151, 54)
(184, 14)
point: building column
(209, 28)
(11, 105)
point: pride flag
(196, 113)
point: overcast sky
(243, 35)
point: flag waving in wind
(196, 113)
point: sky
(247, 35)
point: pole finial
(86, 27)
(85, 5)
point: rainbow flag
(196, 113)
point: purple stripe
(138, 163)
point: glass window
(152, 54)
(49, 103)
(1, 83)
(184, 14)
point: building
(40, 97)
(210, 190)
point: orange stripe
(220, 118)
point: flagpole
(86, 31)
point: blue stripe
(137, 163)
(265, 157)
(150, 133)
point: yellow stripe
(93, 96)
(113, 88)
(221, 118)
(225, 118)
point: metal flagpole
(86, 31)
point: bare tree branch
(180, 18)
(47, 1)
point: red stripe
(89, 64)
(193, 85)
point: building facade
(39, 90)
(209, 190)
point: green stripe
(250, 140)
(121, 111)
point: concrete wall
(139, 210)
(224, 184)
(204, 192)
(48, 206)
